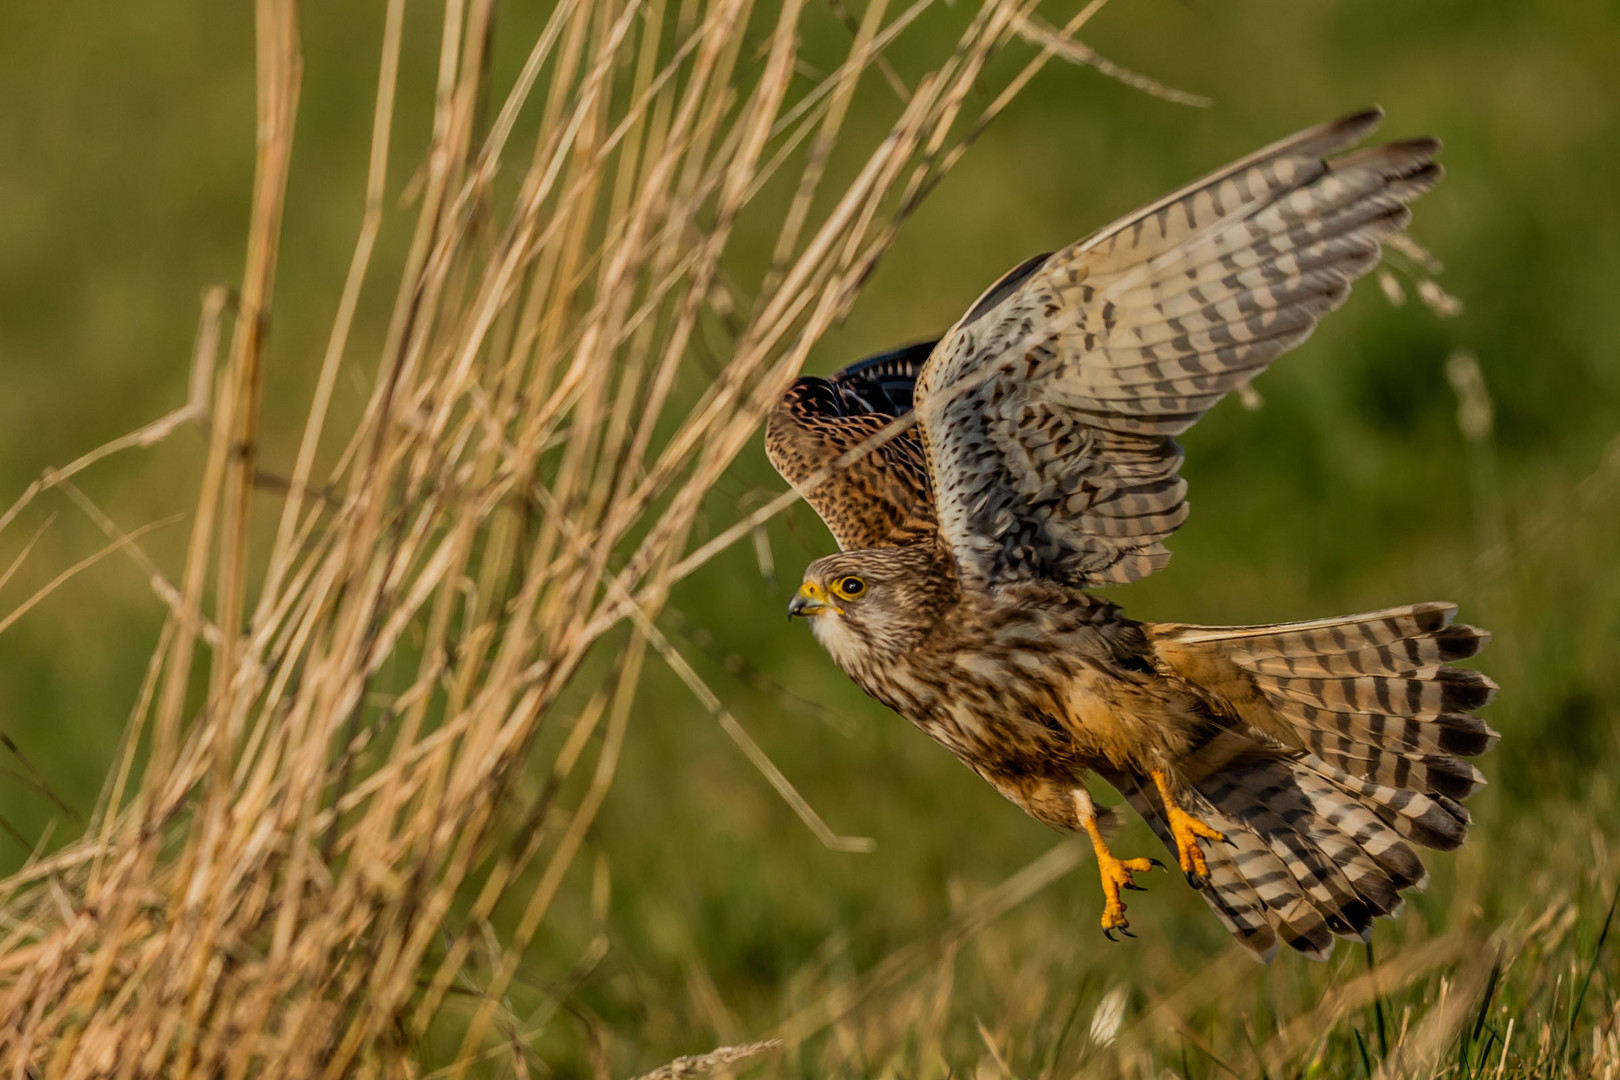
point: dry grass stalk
(300, 880)
(703, 1064)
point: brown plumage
(879, 498)
(1288, 767)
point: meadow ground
(1408, 451)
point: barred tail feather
(1369, 696)
(1346, 749)
(1293, 916)
(1236, 901)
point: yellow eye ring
(848, 588)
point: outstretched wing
(882, 498)
(1048, 412)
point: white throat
(848, 650)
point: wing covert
(882, 498)
(1048, 414)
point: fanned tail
(1346, 749)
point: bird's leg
(1116, 872)
(1187, 831)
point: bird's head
(871, 604)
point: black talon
(1196, 880)
(1109, 934)
(1157, 863)
(1133, 886)
(1127, 933)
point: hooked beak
(810, 600)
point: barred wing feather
(1048, 414)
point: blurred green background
(126, 153)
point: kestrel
(1289, 767)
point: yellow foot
(1116, 875)
(1187, 831)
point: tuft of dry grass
(296, 862)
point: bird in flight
(977, 485)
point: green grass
(703, 912)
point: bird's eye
(849, 587)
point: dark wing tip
(1406, 158)
(906, 360)
(884, 383)
(1424, 145)
(1362, 123)
(1325, 139)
